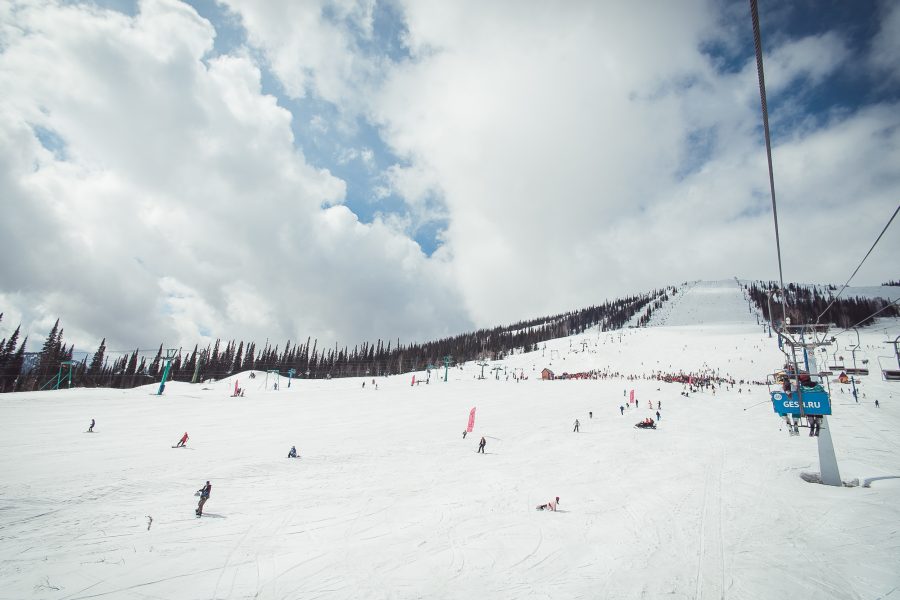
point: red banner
(631, 397)
(471, 420)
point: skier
(465, 433)
(876, 403)
(204, 496)
(293, 452)
(481, 445)
(590, 414)
(650, 404)
(576, 425)
(622, 409)
(814, 426)
(91, 428)
(550, 505)
(659, 404)
(182, 441)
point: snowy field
(389, 501)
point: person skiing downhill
(481, 445)
(182, 441)
(622, 409)
(576, 425)
(657, 415)
(204, 496)
(91, 428)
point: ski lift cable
(860, 264)
(757, 42)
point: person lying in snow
(550, 505)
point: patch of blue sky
(805, 105)
(230, 32)
(51, 141)
(356, 154)
(699, 146)
(128, 7)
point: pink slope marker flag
(236, 387)
(631, 397)
(471, 425)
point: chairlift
(888, 373)
(891, 374)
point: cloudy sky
(179, 171)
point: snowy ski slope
(389, 501)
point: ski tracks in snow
(711, 559)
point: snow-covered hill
(706, 303)
(389, 501)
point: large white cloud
(589, 150)
(172, 203)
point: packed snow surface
(389, 501)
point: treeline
(661, 299)
(891, 283)
(806, 303)
(307, 360)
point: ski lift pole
(446, 367)
(170, 356)
(853, 376)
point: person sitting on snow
(293, 452)
(550, 505)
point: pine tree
(7, 358)
(154, 366)
(48, 360)
(15, 368)
(94, 371)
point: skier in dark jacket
(91, 428)
(482, 444)
(293, 452)
(205, 491)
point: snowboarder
(550, 505)
(622, 409)
(182, 441)
(576, 425)
(657, 415)
(293, 452)
(481, 445)
(204, 496)
(91, 428)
